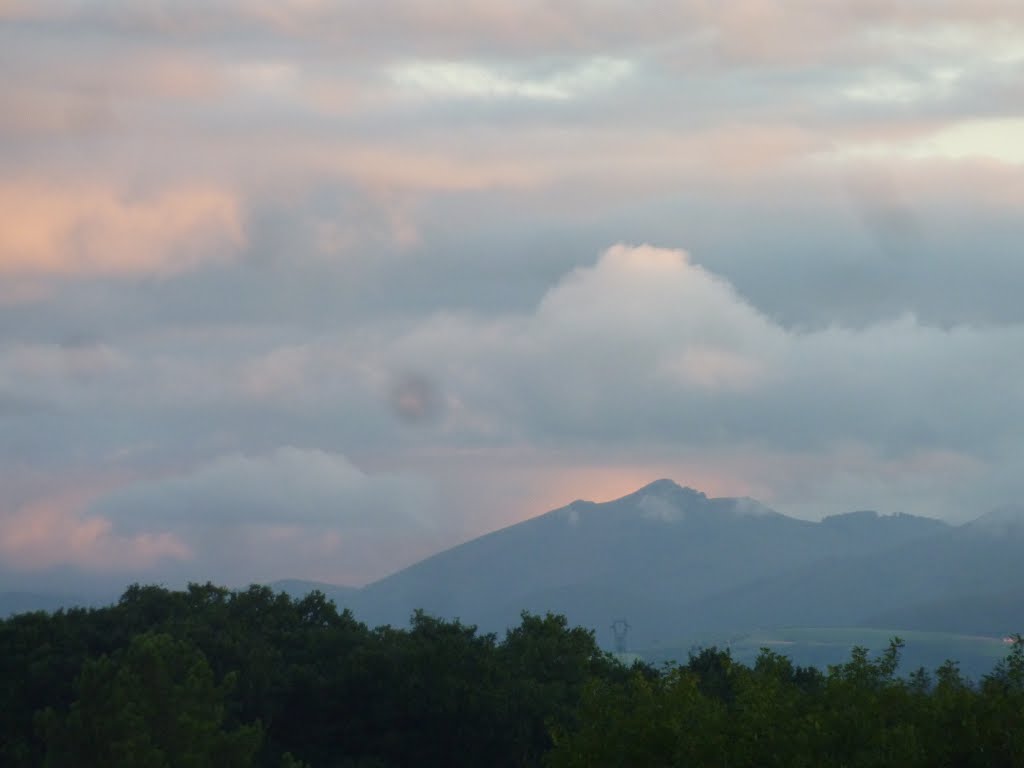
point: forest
(213, 677)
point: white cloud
(997, 139)
(891, 88)
(469, 80)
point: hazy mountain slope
(884, 588)
(987, 614)
(981, 575)
(652, 556)
(663, 543)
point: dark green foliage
(642, 721)
(715, 673)
(212, 677)
(860, 713)
(547, 664)
(152, 705)
(321, 688)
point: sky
(314, 289)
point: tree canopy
(213, 677)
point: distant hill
(55, 588)
(670, 559)
(23, 602)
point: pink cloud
(22, 10)
(102, 92)
(91, 228)
(53, 530)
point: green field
(821, 646)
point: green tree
(768, 723)
(1001, 708)
(547, 663)
(665, 721)
(154, 705)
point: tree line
(252, 678)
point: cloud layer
(332, 281)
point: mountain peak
(667, 488)
(667, 500)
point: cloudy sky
(299, 288)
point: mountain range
(675, 563)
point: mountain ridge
(666, 546)
(676, 561)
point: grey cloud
(289, 487)
(535, 26)
(305, 513)
(621, 352)
(788, 34)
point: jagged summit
(663, 493)
(665, 485)
(665, 488)
(667, 501)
